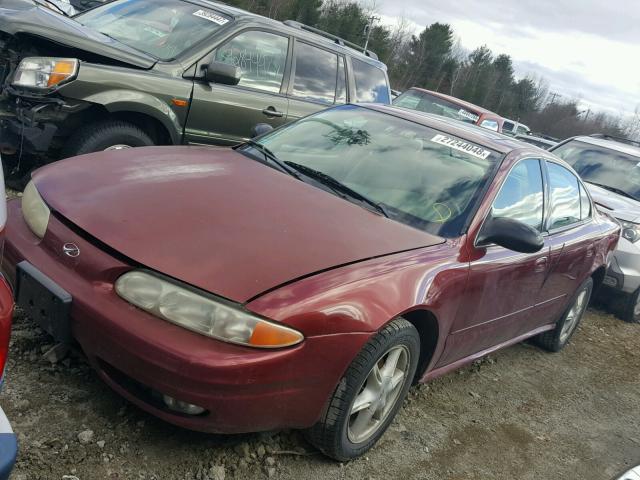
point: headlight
(202, 314)
(45, 72)
(630, 231)
(34, 210)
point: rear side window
(260, 55)
(565, 197)
(521, 196)
(508, 127)
(371, 83)
(490, 124)
(316, 73)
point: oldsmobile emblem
(71, 250)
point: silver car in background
(611, 168)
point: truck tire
(106, 135)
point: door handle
(541, 264)
(272, 112)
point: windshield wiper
(338, 186)
(44, 3)
(614, 190)
(269, 156)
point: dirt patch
(522, 413)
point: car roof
(482, 136)
(462, 103)
(610, 144)
(239, 14)
(536, 138)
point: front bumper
(624, 272)
(8, 447)
(142, 357)
(17, 136)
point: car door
(226, 114)
(570, 238)
(503, 285)
(318, 80)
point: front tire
(370, 394)
(106, 135)
(556, 339)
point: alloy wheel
(117, 147)
(573, 316)
(378, 394)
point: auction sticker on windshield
(212, 17)
(462, 146)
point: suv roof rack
(606, 136)
(330, 36)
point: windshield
(417, 175)
(603, 166)
(161, 28)
(424, 102)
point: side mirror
(260, 129)
(510, 234)
(218, 72)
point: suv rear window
(371, 83)
(607, 168)
(162, 28)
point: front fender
(115, 101)
(365, 296)
(119, 89)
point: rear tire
(631, 312)
(370, 394)
(556, 339)
(106, 135)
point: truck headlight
(35, 212)
(45, 72)
(630, 231)
(201, 313)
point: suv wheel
(370, 394)
(556, 339)
(107, 135)
(631, 312)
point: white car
(610, 166)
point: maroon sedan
(308, 278)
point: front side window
(316, 73)
(371, 83)
(508, 127)
(425, 102)
(565, 197)
(162, 28)
(612, 170)
(261, 57)
(521, 196)
(421, 177)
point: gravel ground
(521, 413)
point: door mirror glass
(260, 129)
(511, 234)
(218, 72)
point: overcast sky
(586, 49)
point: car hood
(216, 219)
(616, 205)
(25, 17)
